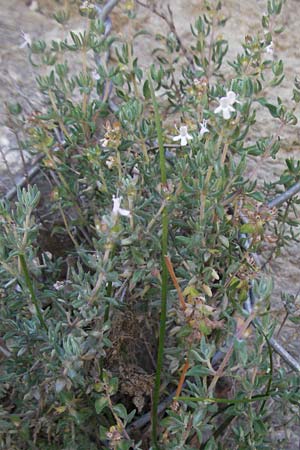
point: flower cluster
(184, 136)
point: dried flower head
(114, 435)
(200, 86)
(112, 136)
(111, 162)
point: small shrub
(132, 278)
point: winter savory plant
(135, 310)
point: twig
(22, 157)
(277, 201)
(3, 156)
(224, 153)
(142, 421)
(157, 215)
(266, 154)
(23, 181)
(250, 302)
(222, 366)
(175, 282)
(103, 14)
(107, 8)
(67, 226)
(170, 22)
(182, 378)
(278, 348)
(155, 147)
(286, 356)
(116, 417)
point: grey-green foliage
(61, 312)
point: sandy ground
(17, 83)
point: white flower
(117, 210)
(270, 49)
(183, 136)
(95, 75)
(26, 40)
(203, 128)
(225, 108)
(59, 285)
(232, 97)
(226, 103)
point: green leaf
(100, 404)
(146, 90)
(124, 445)
(295, 320)
(276, 81)
(113, 385)
(131, 416)
(142, 33)
(14, 108)
(269, 106)
(211, 444)
(259, 427)
(102, 432)
(120, 410)
(224, 240)
(248, 228)
(200, 371)
(258, 196)
(277, 68)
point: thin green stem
(105, 319)
(162, 161)
(164, 289)
(229, 401)
(59, 119)
(76, 245)
(31, 290)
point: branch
(170, 22)
(277, 201)
(142, 421)
(107, 8)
